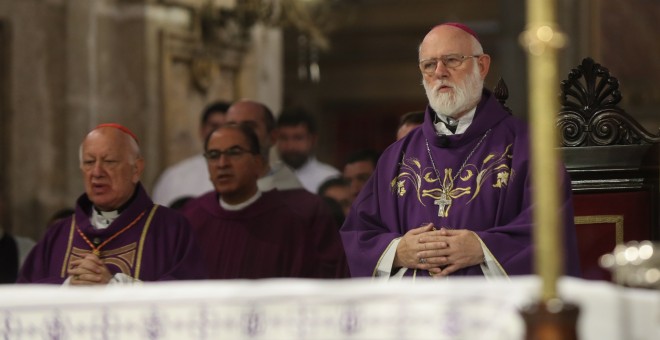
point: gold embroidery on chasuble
(127, 258)
(123, 257)
(413, 179)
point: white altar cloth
(461, 308)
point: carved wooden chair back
(613, 164)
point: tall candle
(542, 39)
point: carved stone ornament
(200, 70)
(590, 115)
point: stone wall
(73, 64)
(35, 120)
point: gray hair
(476, 47)
(135, 149)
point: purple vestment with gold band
(158, 246)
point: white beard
(464, 96)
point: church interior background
(152, 65)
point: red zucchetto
(463, 27)
(121, 128)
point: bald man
(117, 234)
(189, 177)
(275, 175)
(452, 197)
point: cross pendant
(443, 203)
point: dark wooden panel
(604, 219)
(367, 128)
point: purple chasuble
(287, 233)
(159, 246)
(482, 183)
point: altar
(462, 308)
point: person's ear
(484, 65)
(138, 168)
(260, 164)
(313, 137)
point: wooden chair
(613, 165)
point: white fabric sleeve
(490, 267)
(123, 279)
(383, 270)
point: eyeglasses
(231, 153)
(429, 66)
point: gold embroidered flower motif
(401, 189)
(410, 171)
(452, 186)
(494, 163)
(502, 180)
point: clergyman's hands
(89, 270)
(410, 248)
(449, 250)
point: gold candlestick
(549, 318)
(542, 39)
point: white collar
(463, 123)
(274, 168)
(240, 206)
(103, 219)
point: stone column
(78, 63)
(261, 73)
(35, 164)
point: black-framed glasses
(428, 66)
(232, 153)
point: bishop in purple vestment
(452, 197)
(117, 234)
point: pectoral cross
(443, 203)
(96, 241)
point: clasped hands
(440, 251)
(89, 270)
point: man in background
(338, 190)
(408, 122)
(246, 233)
(260, 118)
(358, 169)
(190, 177)
(296, 139)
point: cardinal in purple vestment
(453, 196)
(117, 234)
